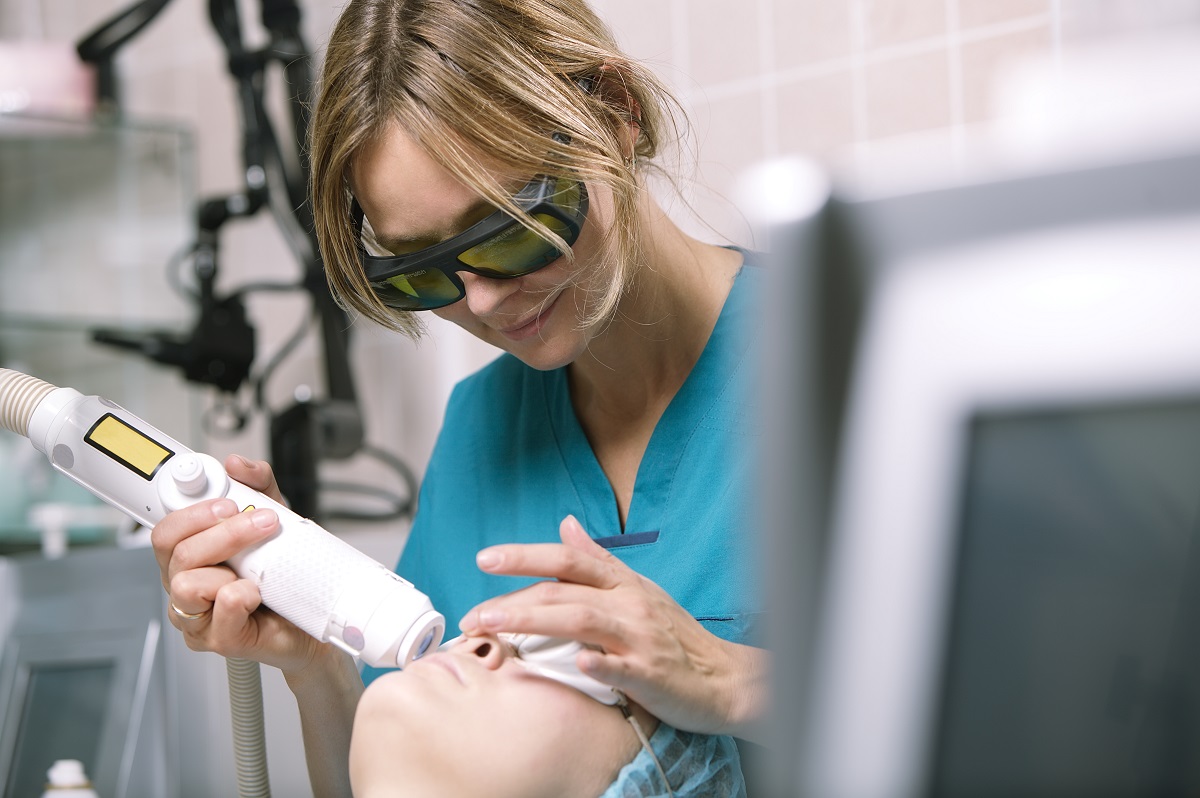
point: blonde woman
(486, 161)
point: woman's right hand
(191, 546)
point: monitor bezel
(878, 651)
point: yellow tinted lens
(416, 290)
(567, 194)
(401, 283)
(515, 251)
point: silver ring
(187, 616)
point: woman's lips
(444, 661)
(531, 327)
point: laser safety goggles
(498, 246)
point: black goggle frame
(537, 197)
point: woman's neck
(633, 368)
(662, 324)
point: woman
(486, 161)
(474, 721)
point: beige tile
(728, 139)
(723, 46)
(816, 116)
(643, 30)
(976, 13)
(18, 21)
(69, 20)
(983, 62)
(214, 116)
(164, 93)
(181, 35)
(729, 133)
(890, 22)
(810, 31)
(909, 94)
(1084, 21)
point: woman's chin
(545, 355)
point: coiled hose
(249, 738)
(20, 395)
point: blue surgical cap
(696, 765)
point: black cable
(175, 279)
(259, 380)
(402, 507)
(399, 466)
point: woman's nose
(485, 294)
(489, 650)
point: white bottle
(67, 780)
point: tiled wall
(834, 79)
(760, 78)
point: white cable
(627, 711)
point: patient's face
(472, 721)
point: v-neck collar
(682, 419)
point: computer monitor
(1012, 547)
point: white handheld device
(315, 580)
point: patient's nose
(488, 649)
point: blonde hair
(476, 81)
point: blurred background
(88, 229)
(90, 237)
(93, 220)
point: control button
(188, 473)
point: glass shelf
(92, 217)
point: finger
(541, 594)
(196, 590)
(548, 561)
(588, 624)
(552, 592)
(255, 474)
(218, 544)
(578, 559)
(182, 524)
(612, 669)
(233, 605)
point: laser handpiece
(310, 577)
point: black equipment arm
(220, 349)
(99, 47)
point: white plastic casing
(317, 581)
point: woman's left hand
(649, 646)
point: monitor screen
(1071, 664)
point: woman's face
(472, 721)
(413, 202)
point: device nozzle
(20, 395)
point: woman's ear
(611, 87)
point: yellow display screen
(128, 446)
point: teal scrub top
(512, 460)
